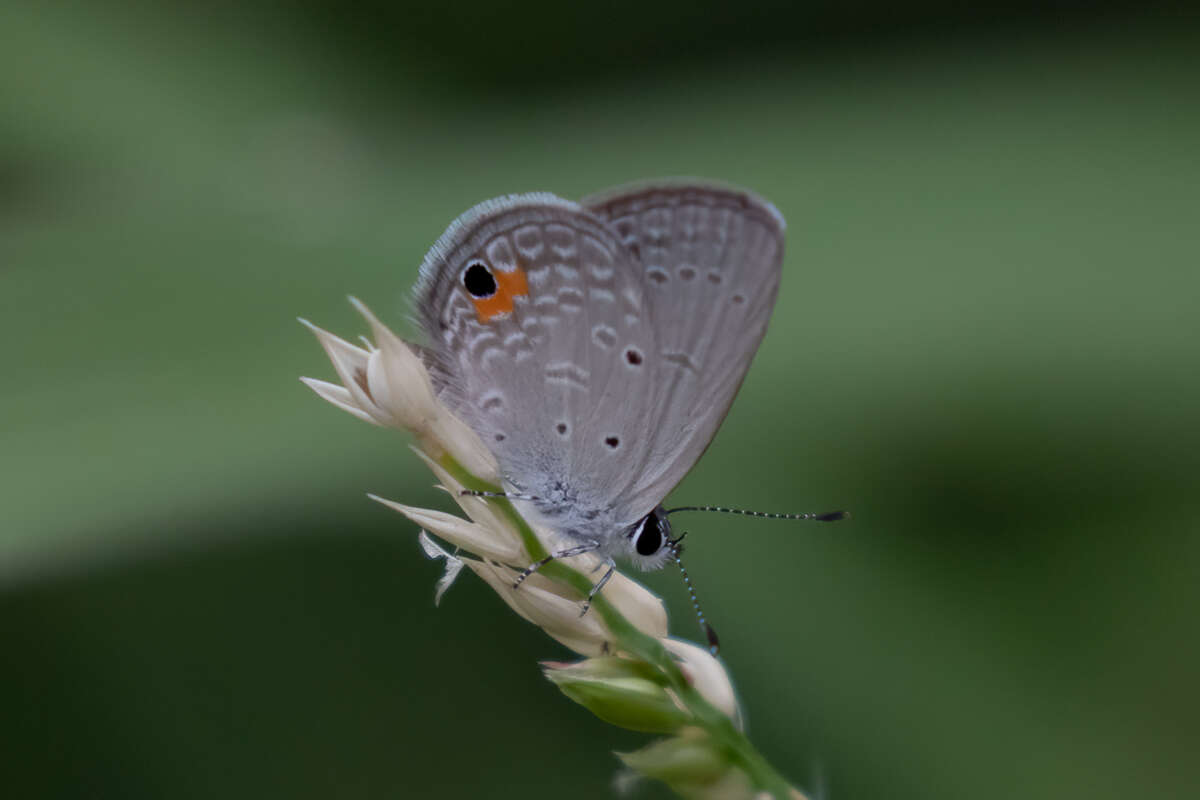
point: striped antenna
(714, 644)
(828, 516)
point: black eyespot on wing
(613, 442)
(561, 428)
(633, 357)
(479, 281)
(649, 537)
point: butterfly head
(649, 544)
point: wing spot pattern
(493, 293)
(561, 239)
(492, 355)
(534, 329)
(570, 299)
(460, 314)
(657, 225)
(500, 253)
(604, 336)
(626, 229)
(568, 373)
(681, 360)
(480, 342)
(479, 280)
(528, 240)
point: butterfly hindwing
(540, 341)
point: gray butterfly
(595, 347)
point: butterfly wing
(596, 350)
(540, 339)
(710, 259)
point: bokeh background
(986, 347)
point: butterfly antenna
(714, 644)
(828, 516)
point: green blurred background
(986, 347)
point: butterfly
(595, 347)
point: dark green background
(985, 347)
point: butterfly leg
(541, 562)
(612, 567)
(505, 495)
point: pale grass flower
(635, 675)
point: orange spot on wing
(509, 285)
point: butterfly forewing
(710, 258)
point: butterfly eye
(479, 281)
(649, 538)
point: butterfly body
(595, 347)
